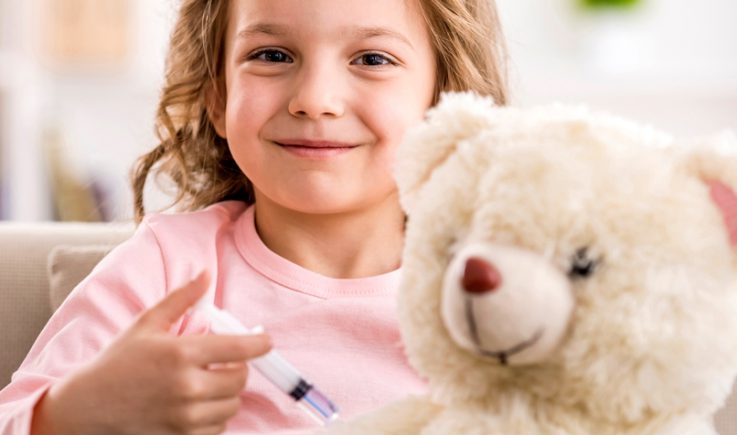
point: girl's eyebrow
(263, 28)
(376, 31)
(358, 32)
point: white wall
(671, 63)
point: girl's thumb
(165, 313)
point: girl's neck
(353, 244)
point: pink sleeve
(129, 279)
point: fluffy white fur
(647, 344)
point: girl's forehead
(329, 18)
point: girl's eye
(374, 59)
(271, 55)
(582, 265)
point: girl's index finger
(170, 309)
(211, 349)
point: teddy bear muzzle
(504, 303)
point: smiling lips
(315, 148)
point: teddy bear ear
(457, 116)
(725, 199)
(714, 161)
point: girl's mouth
(315, 149)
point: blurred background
(79, 81)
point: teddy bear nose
(480, 276)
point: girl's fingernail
(199, 276)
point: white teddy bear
(564, 273)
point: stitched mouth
(501, 355)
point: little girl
(278, 124)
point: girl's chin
(313, 203)
(325, 204)
(329, 199)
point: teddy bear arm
(405, 417)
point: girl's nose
(316, 95)
(480, 276)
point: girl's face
(319, 94)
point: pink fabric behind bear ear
(726, 200)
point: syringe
(274, 367)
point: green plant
(600, 4)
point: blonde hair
(466, 36)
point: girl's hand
(150, 382)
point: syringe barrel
(277, 370)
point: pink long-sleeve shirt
(340, 333)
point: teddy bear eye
(582, 265)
